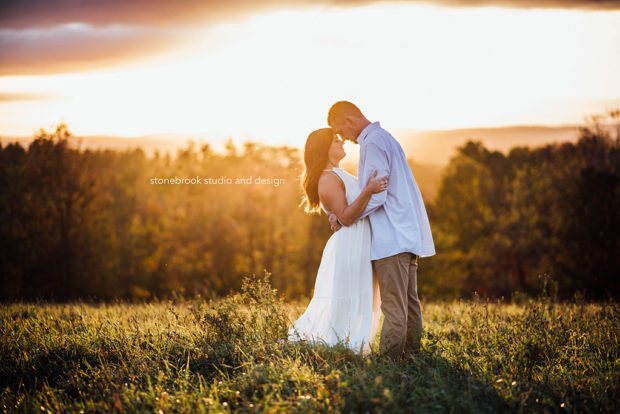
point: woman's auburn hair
(315, 158)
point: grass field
(537, 356)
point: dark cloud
(47, 36)
(75, 47)
(18, 14)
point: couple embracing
(369, 265)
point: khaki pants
(400, 304)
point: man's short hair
(341, 109)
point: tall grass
(227, 355)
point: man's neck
(364, 124)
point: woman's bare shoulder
(329, 181)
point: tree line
(505, 222)
(98, 225)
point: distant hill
(437, 147)
(423, 146)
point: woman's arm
(332, 195)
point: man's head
(346, 120)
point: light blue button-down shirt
(398, 218)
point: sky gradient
(270, 72)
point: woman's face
(336, 150)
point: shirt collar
(362, 136)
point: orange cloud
(11, 97)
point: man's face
(345, 128)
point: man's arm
(377, 159)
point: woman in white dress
(345, 306)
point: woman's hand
(333, 222)
(376, 185)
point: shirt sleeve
(376, 158)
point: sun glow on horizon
(272, 77)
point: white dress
(345, 306)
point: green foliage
(500, 220)
(91, 225)
(228, 355)
(244, 325)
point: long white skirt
(345, 307)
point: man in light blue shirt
(400, 228)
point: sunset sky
(270, 72)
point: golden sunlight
(272, 77)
